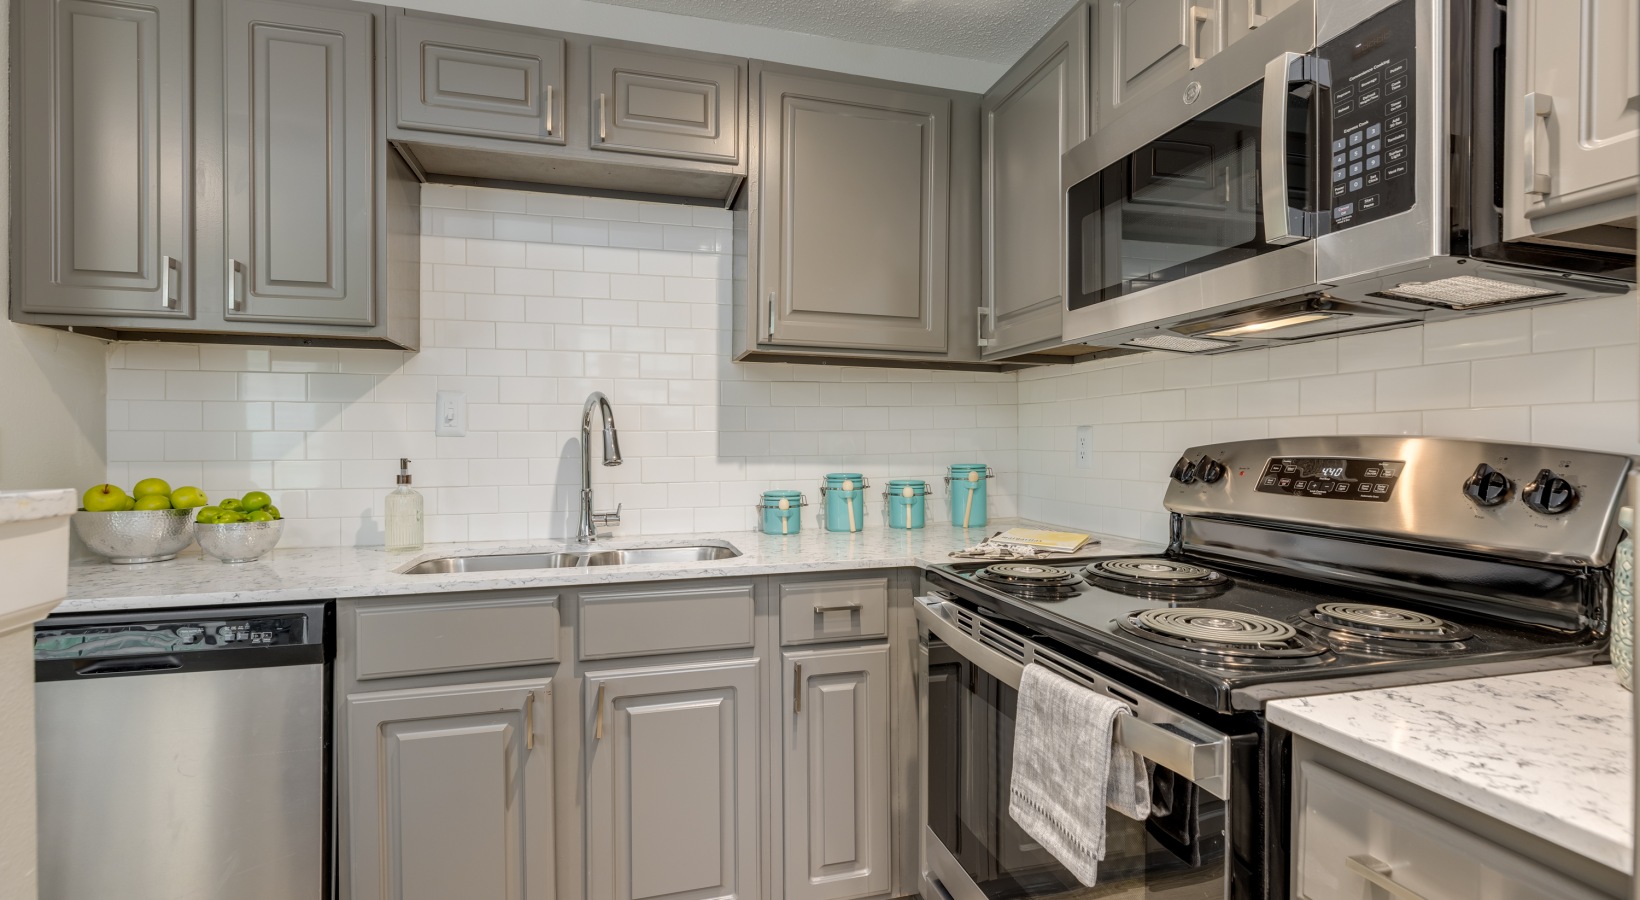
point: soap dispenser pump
(404, 516)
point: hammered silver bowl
(239, 542)
(136, 536)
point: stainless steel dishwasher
(184, 755)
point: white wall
(1562, 374)
(711, 36)
(530, 302)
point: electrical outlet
(1084, 446)
(450, 414)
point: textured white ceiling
(997, 31)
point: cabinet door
(664, 105)
(672, 782)
(1145, 45)
(836, 773)
(466, 79)
(300, 163)
(449, 792)
(1035, 113)
(1241, 17)
(1571, 154)
(104, 142)
(854, 199)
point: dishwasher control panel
(54, 639)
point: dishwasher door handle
(129, 666)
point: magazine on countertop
(1042, 539)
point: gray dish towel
(1068, 771)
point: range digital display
(1332, 478)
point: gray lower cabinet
(468, 79)
(672, 781)
(666, 104)
(1035, 113)
(102, 219)
(449, 792)
(836, 773)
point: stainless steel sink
(572, 559)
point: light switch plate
(450, 414)
(1084, 446)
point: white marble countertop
(1547, 752)
(337, 572)
(23, 506)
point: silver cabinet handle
(1538, 106)
(797, 688)
(529, 721)
(771, 315)
(1377, 873)
(603, 119)
(598, 721)
(1254, 17)
(549, 105)
(1199, 15)
(169, 293)
(984, 312)
(236, 300)
(834, 607)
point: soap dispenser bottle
(404, 505)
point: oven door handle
(1204, 760)
(1282, 223)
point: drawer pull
(598, 723)
(834, 607)
(529, 721)
(1377, 873)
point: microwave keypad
(1369, 129)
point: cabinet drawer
(417, 638)
(674, 620)
(833, 610)
(1351, 837)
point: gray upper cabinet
(467, 79)
(1572, 124)
(103, 178)
(449, 792)
(300, 175)
(1244, 16)
(854, 193)
(645, 101)
(672, 775)
(1036, 112)
(836, 755)
(1142, 46)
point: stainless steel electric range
(1295, 566)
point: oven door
(973, 850)
(1204, 198)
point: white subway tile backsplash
(1381, 350)
(1479, 337)
(1567, 376)
(1424, 387)
(1608, 322)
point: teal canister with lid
(844, 496)
(965, 482)
(781, 511)
(906, 504)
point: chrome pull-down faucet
(612, 457)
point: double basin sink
(572, 559)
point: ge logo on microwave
(1191, 92)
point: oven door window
(1183, 204)
(1178, 852)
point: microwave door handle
(1282, 223)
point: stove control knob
(1184, 471)
(1549, 494)
(1487, 487)
(1209, 470)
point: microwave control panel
(1367, 123)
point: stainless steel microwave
(1334, 170)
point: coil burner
(1030, 581)
(1370, 626)
(1157, 577)
(1229, 636)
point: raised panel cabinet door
(1572, 119)
(449, 792)
(854, 198)
(836, 752)
(105, 159)
(1242, 17)
(1035, 113)
(301, 162)
(665, 105)
(672, 782)
(1145, 45)
(466, 79)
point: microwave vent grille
(1467, 292)
(1177, 343)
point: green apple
(274, 511)
(208, 515)
(128, 504)
(152, 487)
(229, 517)
(254, 501)
(188, 497)
(258, 515)
(231, 504)
(103, 498)
(154, 501)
